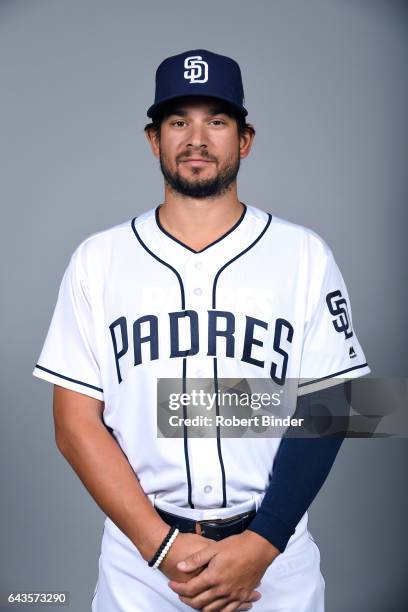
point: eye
(176, 123)
(218, 121)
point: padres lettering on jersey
(266, 300)
(221, 324)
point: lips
(196, 162)
(196, 159)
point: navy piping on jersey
(183, 307)
(78, 382)
(316, 380)
(214, 301)
(220, 459)
(185, 436)
(146, 248)
(208, 245)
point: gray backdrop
(326, 86)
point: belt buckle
(218, 522)
(213, 522)
(198, 528)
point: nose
(196, 136)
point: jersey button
(198, 291)
(207, 489)
(198, 265)
(200, 373)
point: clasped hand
(220, 575)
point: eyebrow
(214, 110)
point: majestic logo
(196, 69)
(337, 306)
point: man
(201, 287)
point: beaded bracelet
(164, 548)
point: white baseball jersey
(264, 301)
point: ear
(154, 142)
(246, 140)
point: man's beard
(201, 188)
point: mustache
(203, 155)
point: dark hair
(227, 108)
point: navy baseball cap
(198, 73)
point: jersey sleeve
(69, 356)
(331, 351)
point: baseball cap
(198, 73)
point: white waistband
(203, 514)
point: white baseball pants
(292, 583)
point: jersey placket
(199, 273)
(205, 464)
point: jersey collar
(233, 228)
(232, 244)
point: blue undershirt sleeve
(300, 468)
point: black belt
(215, 529)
